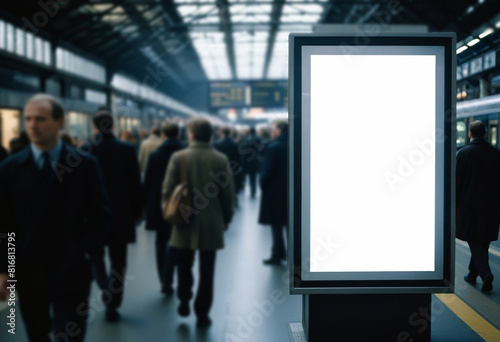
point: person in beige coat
(148, 146)
(210, 180)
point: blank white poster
(372, 166)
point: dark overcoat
(249, 149)
(228, 147)
(56, 224)
(212, 189)
(273, 182)
(153, 181)
(122, 176)
(478, 192)
(3, 153)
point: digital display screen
(267, 94)
(228, 94)
(374, 161)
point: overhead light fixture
(497, 25)
(473, 42)
(486, 32)
(470, 9)
(462, 49)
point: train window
(461, 134)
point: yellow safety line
(477, 323)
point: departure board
(229, 94)
(269, 94)
(266, 94)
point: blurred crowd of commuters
(85, 199)
(71, 203)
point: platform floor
(243, 284)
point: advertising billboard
(371, 171)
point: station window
(123, 123)
(10, 37)
(47, 53)
(80, 66)
(493, 132)
(95, 96)
(2, 35)
(19, 42)
(78, 125)
(38, 50)
(461, 134)
(59, 58)
(29, 46)
(9, 126)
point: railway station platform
(251, 302)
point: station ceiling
(203, 40)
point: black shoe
(112, 315)
(487, 283)
(203, 322)
(470, 279)
(167, 290)
(272, 261)
(183, 309)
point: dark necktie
(46, 168)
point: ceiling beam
(147, 31)
(276, 11)
(114, 32)
(82, 25)
(226, 27)
(410, 7)
(97, 37)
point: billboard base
(367, 317)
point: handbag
(179, 205)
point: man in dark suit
(227, 146)
(153, 180)
(122, 178)
(249, 149)
(273, 182)
(54, 206)
(478, 201)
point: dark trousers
(69, 312)
(278, 250)
(478, 264)
(165, 257)
(205, 292)
(252, 176)
(112, 284)
(170, 264)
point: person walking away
(120, 168)
(478, 201)
(148, 146)
(153, 180)
(211, 183)
(273, 183)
